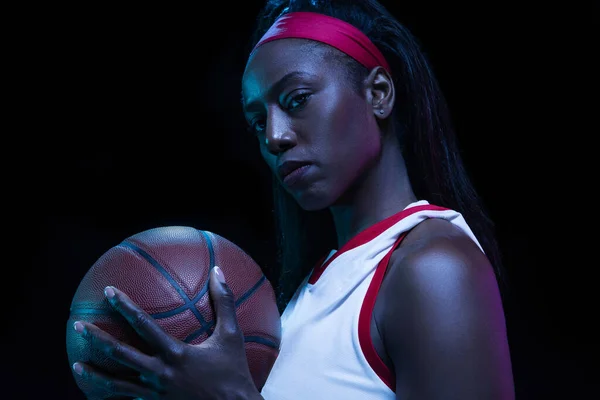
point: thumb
(223, 303)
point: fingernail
(109, 292)
(220, 275)
(78, 368)
(78, 326)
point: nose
(279, 135)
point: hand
(215, 369)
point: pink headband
(329, 30)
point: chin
(312, 201)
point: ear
(380, 92)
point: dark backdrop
(136, 123)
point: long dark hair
(425, 130)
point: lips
(288, 167)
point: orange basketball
(165, 271)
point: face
(317, 134)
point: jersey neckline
(369, 234)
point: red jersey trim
(364, 321)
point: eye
(256, 126)
(297, 101)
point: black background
(132, 120)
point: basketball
(165, 271)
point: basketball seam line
(238, 302)
(189, 303)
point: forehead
(273, 60)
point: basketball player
(400, 298)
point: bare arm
(443, 322)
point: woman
(352, 123)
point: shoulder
(437, 249)
(441, 315)
(437, 262)
(433, 255)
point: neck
(383, 191)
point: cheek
(349, 115)
(358, 140)
(356, 134)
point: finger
(117, 387)
(224, 304)
(115, 349)
(141, 321)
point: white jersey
(326, 348)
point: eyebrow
(277, 86)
